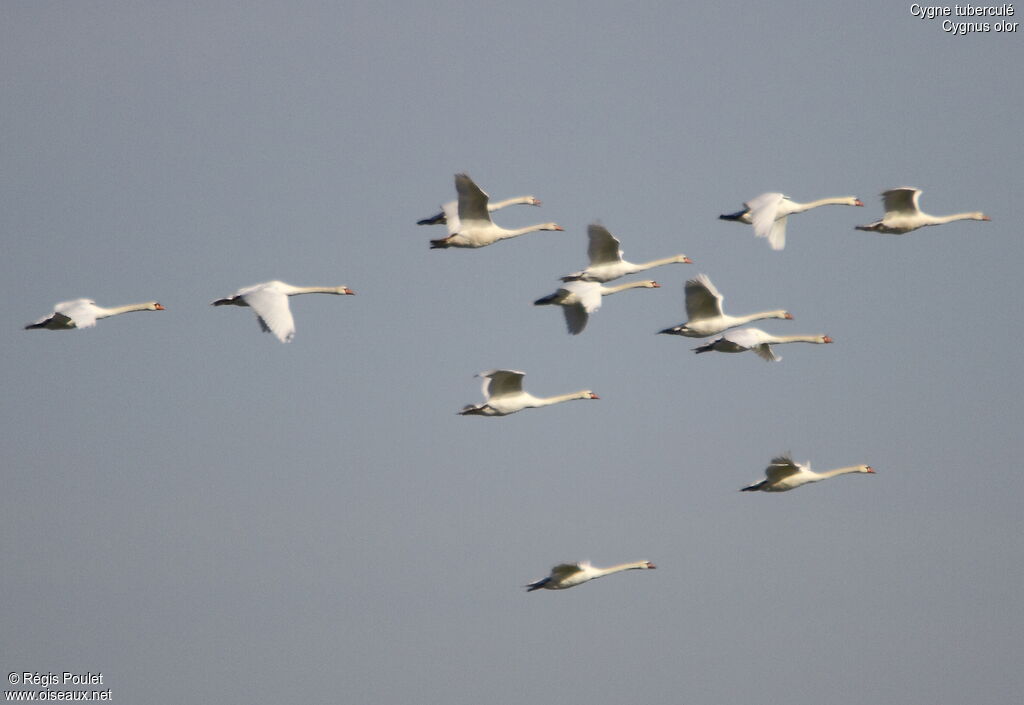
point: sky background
(204, 514)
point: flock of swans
(469, 225)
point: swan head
(826, 339)
(651, 284)
(551, 226)
(531, 201)
(787, 315)
(857, 202)
(868, 469)
(345, 291)
(683, 259)
(980, 216)
(589, 395)
(649, 566)
(157, 306)
(675, 330)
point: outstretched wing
(576, 318)
(272, 311)
(702, 298)
(603, 247)
(81, 311)
(901, 200)
(499, 383)
(763, 211)
(472, 200)
(564, 570)
(777, 236)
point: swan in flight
(704, 309)
(474, 227)
(757, 340)
(504, 395)
(449, 214)
(783, 475)
(579, 299)
(769, 211)
(567, 575)
(606, 261)
(269, 301)
(902, 213)
(83, 313)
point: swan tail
(576, 276)
(675, 330)
(738, 215)
(538, 585)
(223, 302)
(440, 244)
(546, 300)
(703, 348)
(754, 487)
(438, 219)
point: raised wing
(763, 211)
(603, 247)
(450, 213)
(499, 383)
(901, 200)
(272, 311)
(781, 467)
(472, 200)
(81, 311)
(702, 298)
(564, 570)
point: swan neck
(621, 567)
(836, 201)
(940, 219)
(838, 471)
(621, 287)
(316, 290)
(658, 262)
(547, 401)
(797, 339)
(750, 318)
(115, 310)
(510, 202)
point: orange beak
(159, 307)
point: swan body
(504, 395)
(579, 299)
(902, 213)
(783, 475)
(606, 261)
(567, 575)
(704, 309)
(757, 340)
(769, 211)
(474, 227)
(83, 313)
(449, 214)
(269, 301)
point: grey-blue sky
(201, 512)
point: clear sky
(203, 514)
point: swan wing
(272, 311)
(703, 300)
(901, 200)
(576, 318)
(777, 236)
(746, 337)
(82, 312)
(587, 293)
(765, 352)
(565, 570)
(780, 468)
(603, 247)
(500, 383)
(450, 212)
(763, 211)
(472, 200)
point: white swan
(579, 299)
(606, 261)
(783, 474)
(503, 395)
(449, 214)
(567, 575)
(269, 301)
(902, 213)
(704, 309)
(757, 340)
(83, 313)
(475, 228)
(768, 213)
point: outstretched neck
(940, 219)
(675, 259)
(319, 290)
(115, 310)
(621, 567)
(802, 339)
(525, 200)
(837, 201)
(839, 471)
(605, 290)
(750, 318)
(547, 401)
(505, 234)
